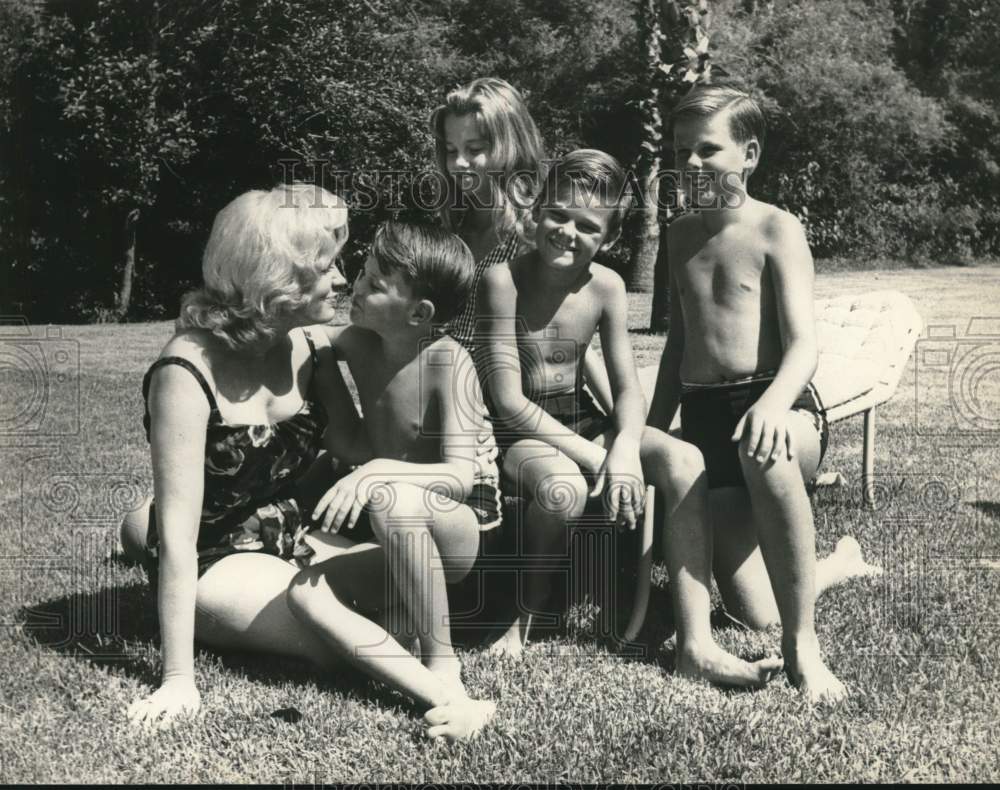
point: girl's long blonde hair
(516, 151)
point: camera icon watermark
(958, 380)
(39, 379)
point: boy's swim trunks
(576, 409)
(710, 413)
(484, 500)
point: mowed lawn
(918, 647)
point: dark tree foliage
(884, 120)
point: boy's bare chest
(724, 274)
(395, 404)
(552, 329)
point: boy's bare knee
(749, 463)
(398, 505)
(673, 463)
(687, 460)
(564, 493)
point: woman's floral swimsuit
(250, 472)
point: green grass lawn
(918, 647)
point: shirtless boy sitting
(539, 313)
(739, 359)
(428, 495)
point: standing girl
(491, 152)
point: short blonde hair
(261, 257)
(516, 150)
(590, 173)
(746, 120)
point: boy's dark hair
(595, 174)
(746, 119)
(435, 263)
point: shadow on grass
(991, 509)
(117, 627)
(107, 627)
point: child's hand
(622, 473)
(175, 697)
(343, 503)
(593, 467)
(765, 429)
(487, 450)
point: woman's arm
(179, 414)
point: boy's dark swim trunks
(576, 409)
(710, 413)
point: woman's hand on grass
(175, 697)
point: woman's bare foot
(512, 642)
(807, 671)
(459, 719)
(724, 669)
(847, 555)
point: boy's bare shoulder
(776, 224)
(443, 357)
(606, 280)
(499, 277)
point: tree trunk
(659, 315)
(647, 165)
(125, 293)
(647, 237)
(684, 24)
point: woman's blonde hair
(516, 152)
(265, 250)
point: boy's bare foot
(512, 642)
(724, 669)
(459, 719)
(848, 556)
(810, 674)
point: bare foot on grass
(807, 671)
(459, 719)
(724, 669)
(848, 556)
(511, 643)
